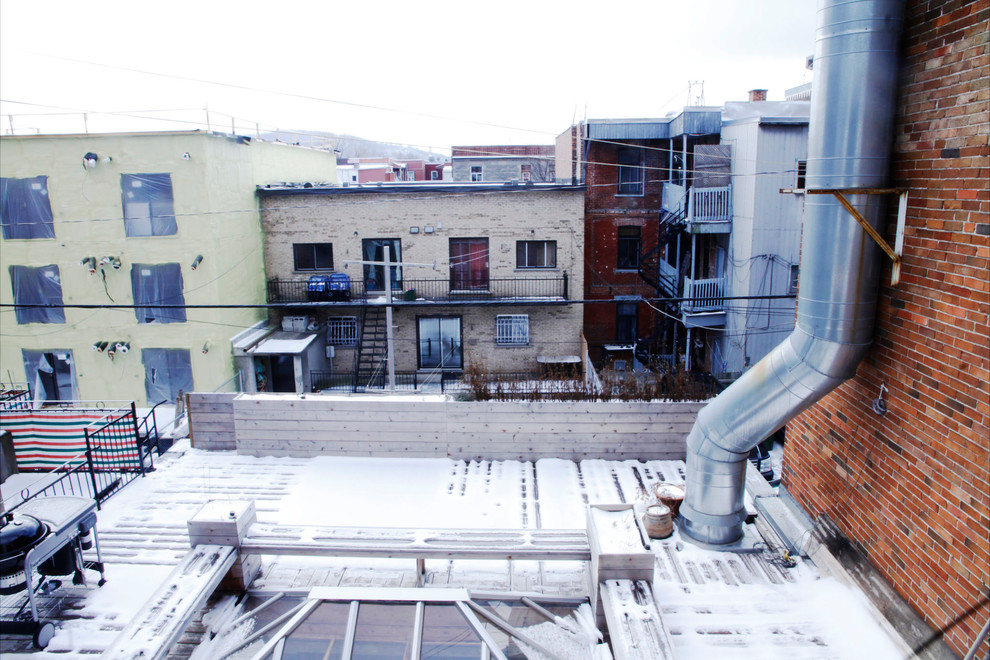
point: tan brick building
(485, 274)
(910, 488)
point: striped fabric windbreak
(47, 439)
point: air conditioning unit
(295, 323)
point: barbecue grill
(44, 538)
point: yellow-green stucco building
(156, 224)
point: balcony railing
(710, 204)
(704, 205)
(704, 295)
(502, 289)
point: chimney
(757, 95)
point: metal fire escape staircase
(370, 358)
(656, 272)
(652, 268)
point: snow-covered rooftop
(714, 604)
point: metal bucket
(658, 521)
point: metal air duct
(851, 129)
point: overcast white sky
(456, 72)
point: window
(158, 284)
(434, 175)
(410, 176)
(477, 174)
(51, 375)
(628, 248)
(795, 275)
(439, 339)
(25, 210)
(802, 171)
(512, 329)
(469, 264)
(167, 372)
(147, 200)
(625, 322)
(342, 331)
(373, 249)
(526, 172)
(312, 256)
(631, 171)
(37, 286)
(536, 254)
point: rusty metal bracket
(894, 252)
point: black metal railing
(118, 447)
(324, 381)
(116, 453)
(526, 289)
(72, 478)
(16, 398)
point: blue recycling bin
(340, 286)
(318, 288)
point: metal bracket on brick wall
(893, 252)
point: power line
(294, 95)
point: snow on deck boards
(559, 544)
(699, 593)
(162, 620)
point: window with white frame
(37, 286)
(536, 254)
(512, 329)
(25, 210)
(147, 201)
(477, 174)
(342, 331)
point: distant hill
(351, 146)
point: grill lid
(19, 533)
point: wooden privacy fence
(424, 426)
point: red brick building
(627, 165)
(911, 488)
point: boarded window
(167, 371)
(157, 290)
(147, 201)
(25, 210)
(37, 286)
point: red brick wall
(912, 488)
(604, 214)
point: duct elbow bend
(800, 371)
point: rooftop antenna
(700, 100)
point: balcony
(705, 304)
(514, 290)
(709, 210)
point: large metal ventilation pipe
(851, 129)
